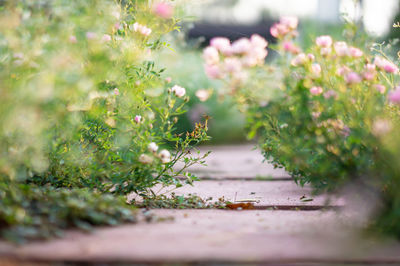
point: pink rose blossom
(300, 59)
(391, 68)
(241, 46)
(343, 70)
(222, 44)
(138, 119)
(289, 46)
(341, 48)
(369, 75)
(279, 30)
(210, 55)
(394, 96)
(163, 10)
(232, 65)
(106, 38)
(311, 57)
(330, 94)
(324, 41)
(353, 78)
(203, 95)
(141, 29)
(178, 91)
(316, 114)
(213, 71)
(316, 69)
(258, 42)
(72, 39)
(385, 64)
(90, 35)
(289, 21)
(316, 90)
(355, 52)
(380, 88)
(325, 51)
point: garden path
(283, 228)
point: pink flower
(343, 70)
(213, 71)
(241, 46)
(289, 21)
(353, 78)
(311, 57)
(370, 72)
(163, 10)
(210, 55)
(391, 68)
(178, 91)
(138, 119)
(116, 91)
(380, 88)
(324, 41)
(316, 90)
(381, 127)
(341, 48)
(316, 69)
(394, 96)
(300, 59)
(316, 114)
(369, 75)
(232, 65)
(289, 46)
(325, 51)
(168, 79)
(386, 65)
(90, 35)
(145, 31)
(279, 30)
(330, 94)
(222, 44)
(355, 52)
(258, 42)
(106, 38)
(72, 39)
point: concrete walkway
(283, 229)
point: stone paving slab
(267, 193)
(236, 162)
(260, 236)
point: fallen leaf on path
(242, 206)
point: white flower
(165, 156)
(178, 91)
(145, 159)
(152, 147)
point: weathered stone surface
(239, 161)
(267, 193)
(221, 236)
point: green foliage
(181, 202)
(84, 107)
(30, 212)
(329, 115)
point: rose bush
(85, 107)
(329, 115)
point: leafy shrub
(84, 106)
(328, 116)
